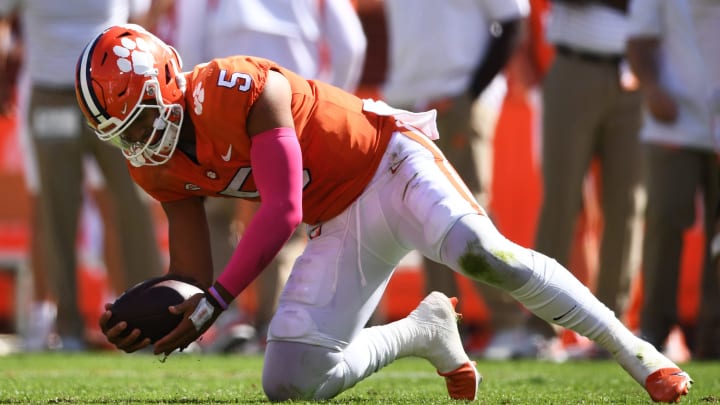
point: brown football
(145, 306)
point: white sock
(430, 332)
(475, 248)
(556, 296)
(376, 347)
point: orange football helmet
(122, 72)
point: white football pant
(317, 343)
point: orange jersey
(341, 144)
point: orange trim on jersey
(445, 167)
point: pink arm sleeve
(276, 162)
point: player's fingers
(174, 344)
(132, 342)
(166, 347)
(177, 309)
(182, 344)
(125, 342)
(180, 337)
(137, 346)
(186, 306)
(103, 319)
(114, 332)
(170, 341)
(185, 333)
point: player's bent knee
(280, 391)
(298, 371)
(277, 391)
(475, 248)
(282, 372)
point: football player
(369, 183)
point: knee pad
(290, 323)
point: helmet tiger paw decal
(135, 56)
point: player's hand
(661, 104)
(187, 331)
(129, 343)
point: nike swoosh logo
(226, 157)
(557, 318)
(394, 167)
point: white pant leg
(471, 245)
(411, 203)
(331, 291)
(416, 201)
(337, 282)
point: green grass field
(117, 378)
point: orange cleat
(463, 382)
(668, 385)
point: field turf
(117, 378)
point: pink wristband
(218, 297)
